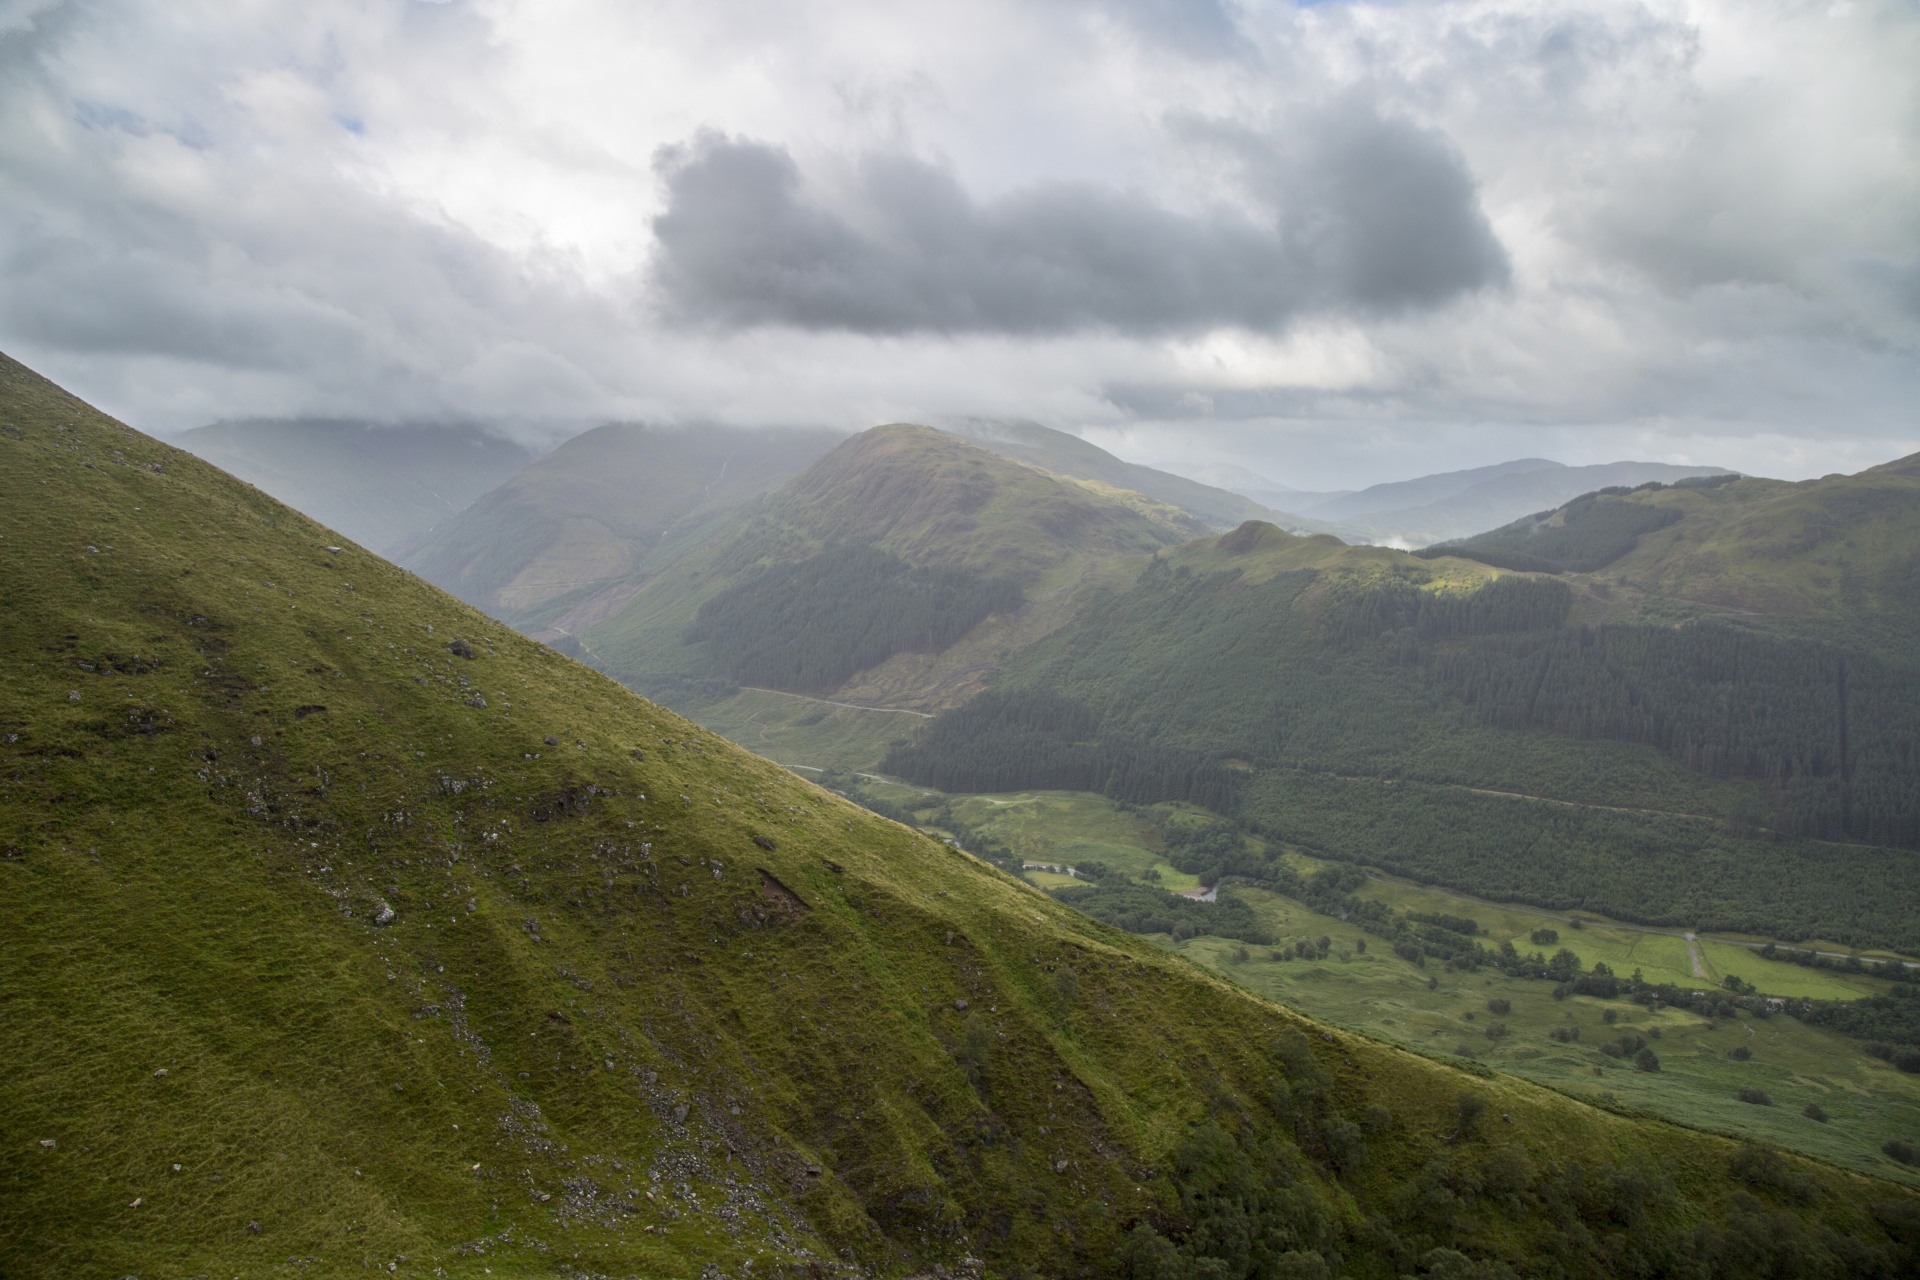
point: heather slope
(1841, 553)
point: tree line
(1646, 868)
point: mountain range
(349, 930)
(1457, 504)
(1293, 657)
(909, 568)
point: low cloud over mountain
(1297, 238)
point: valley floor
(1368, 989)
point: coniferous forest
(1376, 721)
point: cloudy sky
(1335, 243)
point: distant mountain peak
(1066, 454)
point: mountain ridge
(1424, 490)
(1501, 498)
(1069, 455)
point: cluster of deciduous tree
(808, 627)
(1890, 970)
(1889, 1020)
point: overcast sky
(1334, 243)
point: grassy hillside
(330, 943)
(1559, 741)
(585, 518)
(382, 485)
(929, 502)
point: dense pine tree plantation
(1649, 868)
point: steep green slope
(1517, 737)
(929, 501)
(584, 518)
(1838, 556)
(381, 485)
(346, 930)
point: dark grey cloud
(1369, 215)
(1385, 212)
